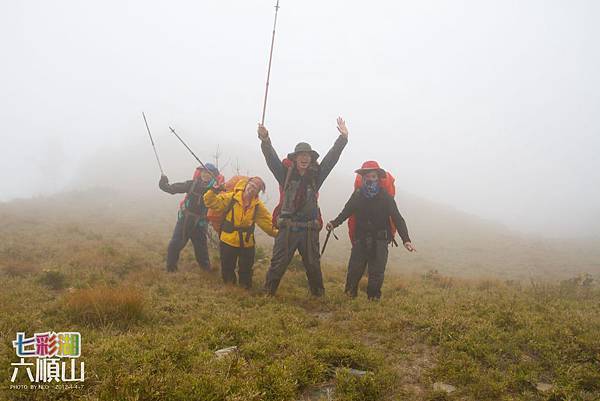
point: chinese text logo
(52, 357)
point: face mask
(370, 188)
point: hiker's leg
(377, 263)
(311, 258)
(246, 263)
(283, 251)
(177, 243)
(356, 268)
(200, 242)
(229, 258)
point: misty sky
(488, 106)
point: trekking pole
(262, 121)
(193, 154)
(327, 240)
(152, 141)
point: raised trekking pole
(262, 121)
(152, 141)
(327, 240)
(193, 154)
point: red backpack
(388, 184)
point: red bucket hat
(370, 166)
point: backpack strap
(288, 175)
(226, 212)
(229, 225)
(193, 188)
(250, 230)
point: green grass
(149, 335)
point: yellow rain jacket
(242, 230)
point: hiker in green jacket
(298, 216)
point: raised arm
(332, 157)
(175, 188)
(273, 161)
(217, 201)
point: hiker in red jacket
(298, 217)
(374, 211)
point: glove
(263, 134)
(217, 188)
(163, 180)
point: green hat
(303, 147)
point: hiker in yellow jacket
(242, 211)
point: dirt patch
(411, 367)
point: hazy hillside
(461, 244)
(447, 240)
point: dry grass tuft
(438, 280)
(121, 306)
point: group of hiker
(235, 209)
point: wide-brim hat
(303, 147)
(370, 166)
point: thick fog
(490, 107)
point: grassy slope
(148, 335)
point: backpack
(289, 165)
(215, 218)
(388, 184)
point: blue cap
(211, 167)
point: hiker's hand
(329, 226)
(409, 247)
(263, 134)
(218, 188)
(341, 126)
(163, 180)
